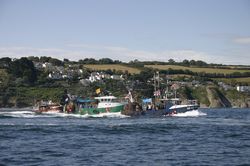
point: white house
(95, 76)
(55, 75)
(243, 88)
(225, 86)
(117, 77)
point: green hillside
(116, 67)
(197, 69)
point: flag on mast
(97, 91)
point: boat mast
(158, 80)
(166, 93)
(154, 84)
(157, 85)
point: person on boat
(65, 100)
(129, 97)
(70, 108)
(149, 107)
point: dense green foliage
(200, 94)
(23, 69)
(27, 96)
(21, 84)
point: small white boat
(174, 106)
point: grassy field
(234, 80)
(180, 75)
(239, 67)
(196, 69)
(112, 67)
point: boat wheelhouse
(174, 106)
(104, 104)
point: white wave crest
(7, 124)
(18, 114)
(193, 113)
(16, 109)
(109, 115)
(32, 114)
(101, 115)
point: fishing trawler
(48, 107)
(168, 106)
(162, 104)
(103, 104)
(174, 106)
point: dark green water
(207, 137)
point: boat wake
(32, 114)
(18, 114)
(193, 113)
(102, 115)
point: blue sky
(209, 30)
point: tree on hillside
(171, 61)
(106, 61)
(34, 58)
(55, 62)
(136, 63)
(5, 62)
(23, 68)
(185, 62)
(201, 63)
(88, 61)
(117, 62)
(192, 63)
(144, 75)
(44, 59)
(65, 60)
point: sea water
(204, 137)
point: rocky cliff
(216, 98)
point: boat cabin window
(107, 100)
(88, 105)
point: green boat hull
(94, 111)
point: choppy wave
(16, 109)
(102, 115)
(18, 114)
(29, 124)
(193, 113)
(32, 114)
(222, 137)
